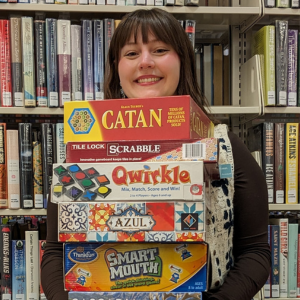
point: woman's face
(148, 70)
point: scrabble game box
(136, 181)
(135, 267)
(131, 222)
(135, 151)
(159, 118)
(134, 296)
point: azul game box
(134, 151)
(134, 296)
(179, 180)
(131, 222)
(135, 267)
(158, 118)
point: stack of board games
(135, 173)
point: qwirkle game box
(128, 182)
(135, 267)
(131, 222)
(159, 118)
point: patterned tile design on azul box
(137, 181)
(131, 222)
(134, 296)
(135, 267)
(160, 118)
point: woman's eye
(130, 54)
(162, 50)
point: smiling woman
(150, 55)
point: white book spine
(64, 60)
(32, 265)
(13, 174)
(76, 62)
(28, 61)
(61, 146)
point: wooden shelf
(23, 212)
(284, 206)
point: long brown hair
(164, 27)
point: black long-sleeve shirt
(250, 240)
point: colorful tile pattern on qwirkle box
(135, 267)
(206, 150)
(134, 296)
(159, 118)
(137, 181)
(131, 222)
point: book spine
(291, 160)
(281, 29)
(283, 260)
(87, 56)
(292, 66)
(5, 64)
(76, 62)
(272, 69)
(26, 168)
(32, 265)
(16, 62)
(98, 60)
(292, 260)
(298, 266)
(37, 172)
(275, 261)
(190, 29)
(47, 157)
(18, 270)
(64, 60)
(279, 162)
(42, 244)
(13, 172)
(298, 73)
(269, 158)
(267, 285)
(269, 3)
(6, 276)
(109, 28)
(28, 61)
(3, 167)
(282, 3)
(60, 145)
(51, 54)
(40, 57)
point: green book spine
(264, 45)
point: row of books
(26, 160)
(284, 240)
(213, 70)
(277, 46)
(22, 247)
(282, 3)
(128, 2)
(278, 146)
(48, 62)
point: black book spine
(26, 165)
(47, 136)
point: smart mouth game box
(135, 151)
(135, 267)
(128, 182)
(131, 222)
(159, 118)
(134, 296)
